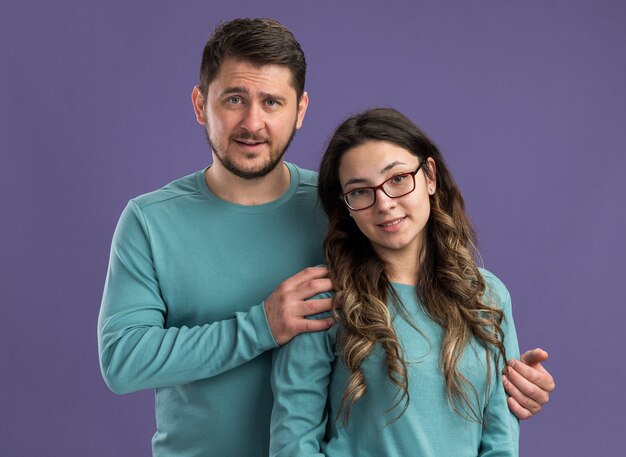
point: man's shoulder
(307, 178)
(185, 186)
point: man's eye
(272, 103)
(234, 100)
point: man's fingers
(305, 284)
(316, 325)
(286, 322)
(319, 305)
(313, 287)
(520, 412)
(305, 275)
(303, 325)
(288, 305)
(524, 406)
(536, 375)
(527, 392)
(534, 356)
(529, 373)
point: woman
(412, 368)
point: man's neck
(248, 192)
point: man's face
(250, 114)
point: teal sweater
(183, 312)
(309, 378)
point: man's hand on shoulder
(288, 306)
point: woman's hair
(449, 284)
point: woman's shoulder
(491, 279)
(495, 290)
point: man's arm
(138, 352)
(528, 383)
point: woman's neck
(402, 269)
(402, 277)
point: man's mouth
(248, 142)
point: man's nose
(254, 119)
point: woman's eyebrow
(384, 170)
(393, 164)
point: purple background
(527, 101)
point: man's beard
(231, 166)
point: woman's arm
(500, 436)
(300, 378)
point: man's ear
(199, 105)
(303, 103)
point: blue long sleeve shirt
(182, 310)
(309, 378)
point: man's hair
(258, 41)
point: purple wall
(527, 100)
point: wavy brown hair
(449, 284)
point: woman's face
(394, 226)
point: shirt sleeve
(300, 379)
(136, 350)
(500, 436)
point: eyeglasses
(395, 187)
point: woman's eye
(398, 179)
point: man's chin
(251, 171)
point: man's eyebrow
(384, 170)
(267, 95)
(242, 90)
(234, 90)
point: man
(190, 305)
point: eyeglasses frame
(344, 196)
